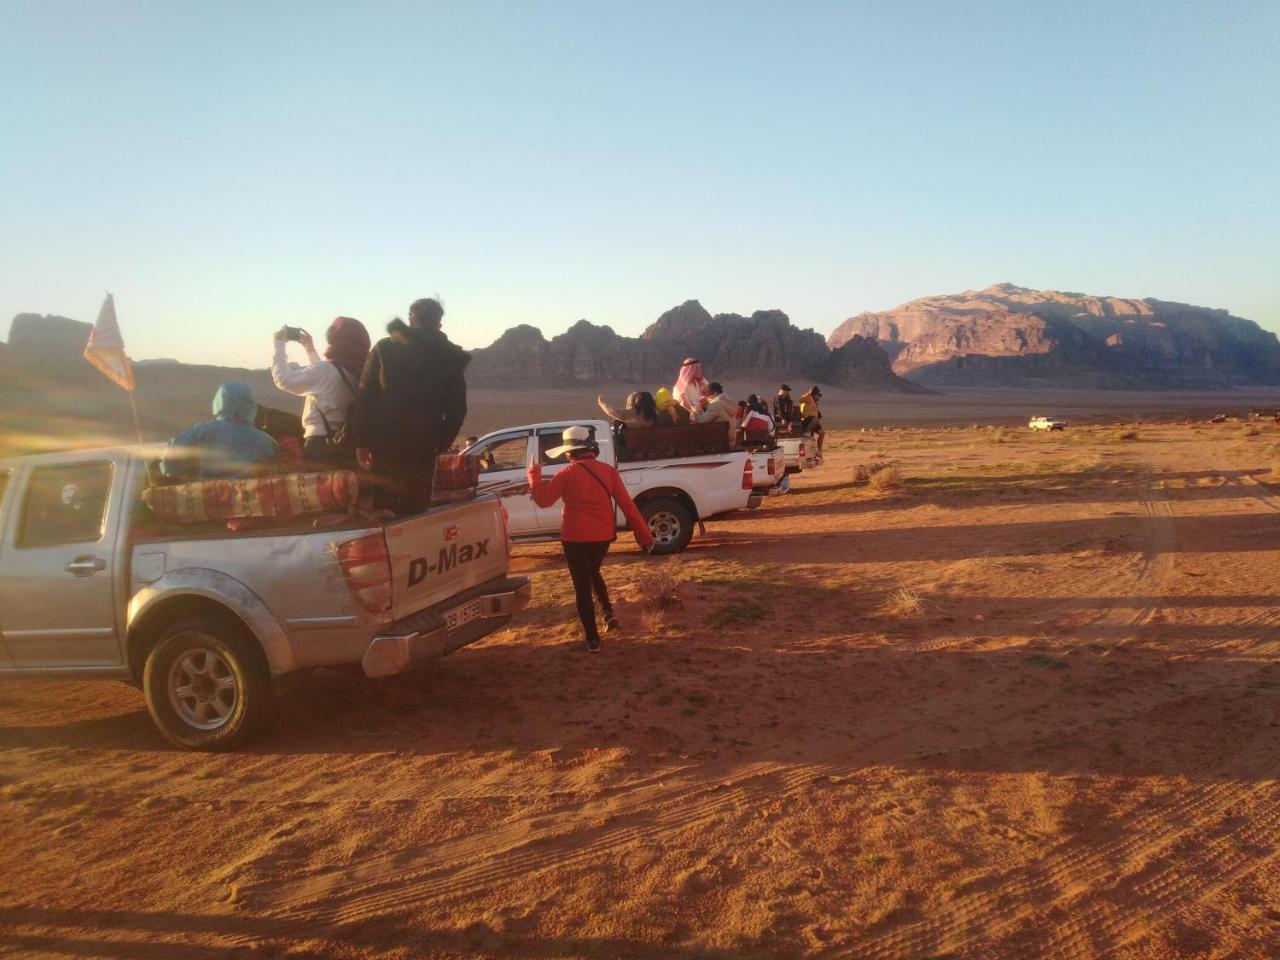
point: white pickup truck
(800, 453)
(93, 584)
(672, 493)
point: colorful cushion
(280, 497)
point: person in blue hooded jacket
(229, 445)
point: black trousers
(400, 486)
(584, 559)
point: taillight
(802, 449)
(773, 466)
(367, 568)
(747, 480)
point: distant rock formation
(48, 339)
(1007, 335)
(862, 364)
(584, 354)
(766, 344)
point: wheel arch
(200, 592)
(675, 493)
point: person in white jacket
(328, 383)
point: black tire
(226, 699)
(670, 522)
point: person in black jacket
(409, 407)
(784, 408)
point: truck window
(548, 439)
(504, 453)
(65, 504)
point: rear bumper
(426, 636)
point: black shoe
(611, 623)
(593, 644)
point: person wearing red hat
(590, 490)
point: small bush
(1250, 431)
(904, 603)
(659, 588)
(1127, 435)
(863, 472)
(886, 479)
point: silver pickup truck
(203, 619)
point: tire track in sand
(1162, 886)
(467, 864)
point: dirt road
(1026, 704)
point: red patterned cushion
(277, 497)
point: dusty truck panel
(431, 562)
(217, 587)
(672, 493)
(203, 618)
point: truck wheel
(670, 522)
(207, 685)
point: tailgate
(444, 552)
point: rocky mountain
(48, 339)
(1007, 335)
(766, 344)
(863, 361)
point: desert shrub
(1127, 435)
(1250, 431)
(659, 587)
(904, 602)
(863, 472)
(887, 478)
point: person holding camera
(590, 490)
(329, 385)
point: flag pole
(136, 425)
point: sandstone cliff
(766, 344)
(1011, 336)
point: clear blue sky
(227, 167)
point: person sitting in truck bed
(641, 411)
(755, 422)
(784, 408)
(691, 388)
(669, 411)
(719, 407)
(229, 445)
(811, 415)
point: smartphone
(293, 333)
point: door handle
(85, 566)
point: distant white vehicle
(1047, 423)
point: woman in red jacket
(590, 490)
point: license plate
(460, 616)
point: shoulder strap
(328, 430)
(345, 381)
(594, 476)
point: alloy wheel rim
(665, 527)
(203, 688)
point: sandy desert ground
(1025, 704)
